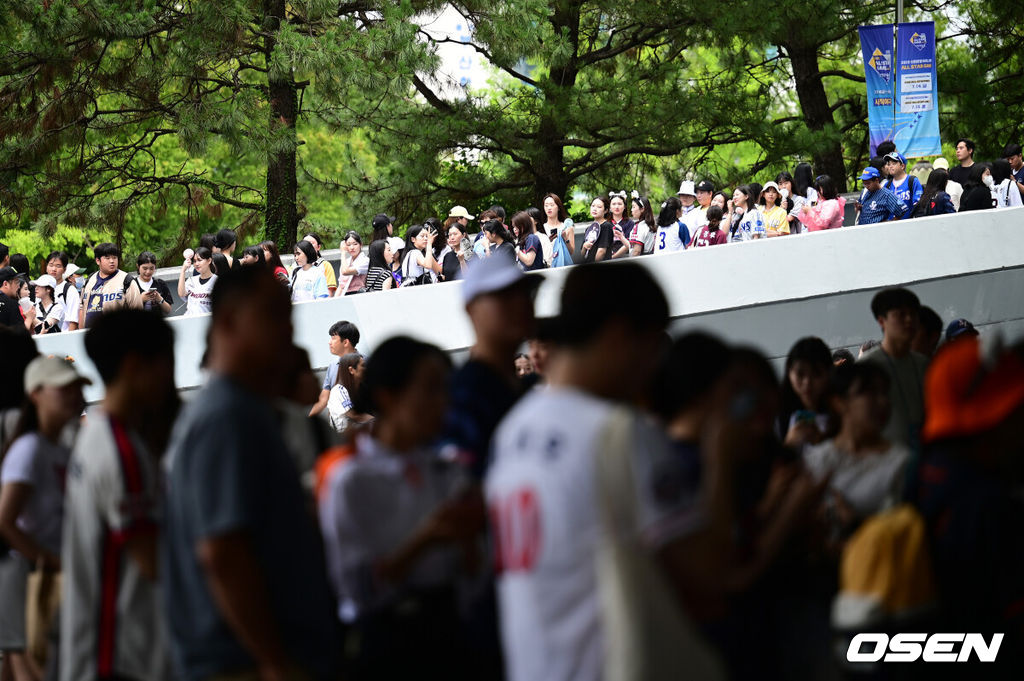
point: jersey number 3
(516, 521)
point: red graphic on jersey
(516, 523)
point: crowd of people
(62, 298)
(611, 503)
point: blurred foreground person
(112, 621)
(32, 503)
(499, 302)
(865, 472)
(246, 592)
(398, 524)
(969, 492)
(897, 311)
(746, 500)
(575, 504)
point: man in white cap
(953, 188)
(49, 309)
(691, 216)
(461, 213)
(499, 302)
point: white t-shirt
(71, 306)
(113, 493)
(542, 495)
(339, 403)
(362, 266)
(371, 505)
(35, 461)
(694, 218)
(197, 295)
(308, 284)
(411, 268)
(869, 483)
(55, 314)
(1007, 194)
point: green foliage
(152, 122)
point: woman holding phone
(146, 291)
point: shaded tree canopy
(115, 112)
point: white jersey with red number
(112, 622)
(541, 492)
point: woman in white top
(1005, 187)
(346, 385)
(49, 312)
(641, 238)
(396, 518)
(32, 496)
(354, 265)
(308, 281)
(195, 289)
(865, 470)
(418, 257)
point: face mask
(79, 284)
(989, 182)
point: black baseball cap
(705, 186)
(7, 273)
(382, 220)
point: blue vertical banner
(916, 123)
(876, 47)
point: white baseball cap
(45, 280)
(459, 212)
(687, 188)
(396, 243)
(53, 372)
(71, 271)
(492, 274)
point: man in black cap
(1013, 154)
(10, 312)
(383, 227)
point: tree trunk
(281, 215)
(549, 163)
(828, 159)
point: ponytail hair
(496, 227)
(669, 211)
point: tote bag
(41, 605)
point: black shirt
(10, 315)
(978, 197)
(603, 239)
(450, 266)
(960, 174)
(506, 250)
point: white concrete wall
(764, 293)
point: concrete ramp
(762, 293)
